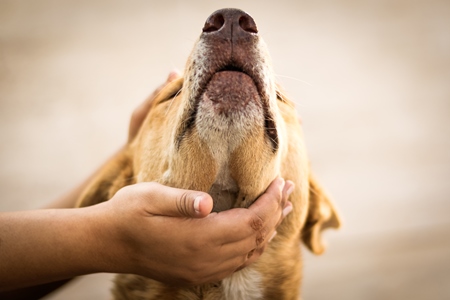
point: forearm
(49, 245)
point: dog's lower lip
(231, 91)
(235, 70)
(231, 73)
(227, 70)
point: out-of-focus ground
(371, 80)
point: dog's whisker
(275, 142)
(296, 79)
(171, 103)
(161, 89)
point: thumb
(192, 204)
(168, 201)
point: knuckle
(148, 188)
(195, 248)
(153, 185)
(258, 226)
(261, 237)
(127, 192)
(256, 223)
(183, 204)
(250, 254)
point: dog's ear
(321, 215)
(114, 175)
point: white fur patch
(245, 284)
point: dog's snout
(229, 23)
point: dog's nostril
(248, 24)
(214, 23)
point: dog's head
(225, 128)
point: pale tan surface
(372, 84)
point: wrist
(105, 246)
(82, 243)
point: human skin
(148, 229)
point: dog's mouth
(230, 92)
(228, 79)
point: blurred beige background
(371, 80)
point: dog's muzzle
(229, 68)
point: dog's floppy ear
(321, 215)
(114, 175)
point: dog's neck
(224, 193)
(225, 189)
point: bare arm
(46, 245)
(54, 244)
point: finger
(231, 226)
(287, 191)
(234, 263)
(285, 203)
(287, 209)
(267, 205)
(168, 201)
(254, 223)
(252, 249)
(238, 242)
(254, 257)
(272, 236)
(174, 75)
(273, 195)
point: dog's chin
(228, 111)
(231, 92)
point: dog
(228, 129)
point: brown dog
(227, 129)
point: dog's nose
(230, 23)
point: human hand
(169, 234)
(141, 111)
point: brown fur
(174, 148)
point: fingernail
(283, 182)
(287, 210)
(273, 235)
(173, 75)
(291, 187)
(197, 203)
